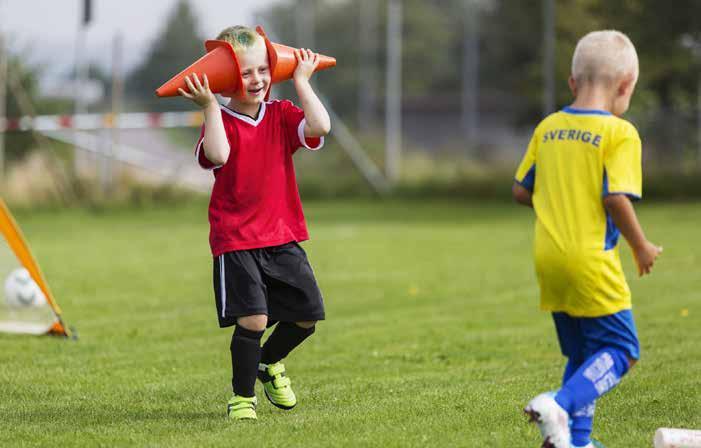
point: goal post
(28, 305)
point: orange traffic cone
(219, 64)
(222, 68)
(283, 61)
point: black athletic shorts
(277, 281)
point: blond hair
(242, 38)
(604, 57)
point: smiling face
(255, 74)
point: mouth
(257, 91)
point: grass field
(433, 335)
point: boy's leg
(294, 299)
(240, 298)
(598, 375)
(551, 419)
(245, 353)
(613, 340)
(581, 421)
(582, 424)
(570, 369)
(271, 371)
(284, 339)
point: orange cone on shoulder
(219, 64)
(283, 61)
(222, 68)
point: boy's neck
(593, 98)
(251, 110)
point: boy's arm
(521, 195)
(621, 210)
(524, 179)
(215, 144)
(318, 122)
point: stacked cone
(222, 68)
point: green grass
(432, 338)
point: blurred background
(429, 98)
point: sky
(47, 29)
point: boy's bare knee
(632, 362)
(306, 324)
(257, 322)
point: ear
(573, 85)
(626, 85)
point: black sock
(245, 356)
(285, 337)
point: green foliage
(666, 65)
(19, 144)
(511, 46)
(26, 99)
(177, 46)
(434, 177)
(428, 49)
(28, 78)
(433, 336)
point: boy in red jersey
(261, 274)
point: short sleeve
(202, 159)
(525, 174)
(623, 166)
(294, 128)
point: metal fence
(469, 89)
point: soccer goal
(28, 307)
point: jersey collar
(572, 110)
(246, 118)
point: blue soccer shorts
(582, 337)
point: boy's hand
(307, 62)
(199, 91)
(645, 256)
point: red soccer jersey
(255, 202)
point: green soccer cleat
(242, 408)
(277, 385)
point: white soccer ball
(21, 291)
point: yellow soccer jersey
(575, 158)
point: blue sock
(582, 422)
(599, 374)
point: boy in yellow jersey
(581, 172)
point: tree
(23, 99)
(511, 48)
(430, 41)
(177, 46)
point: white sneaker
(592, 444)
(552, 420)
